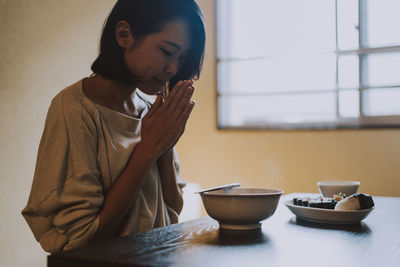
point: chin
(150, 89)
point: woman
(106, 166)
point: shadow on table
(243, 237)
(360, 228)
(222, 237)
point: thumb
(155, 106)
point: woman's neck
(114, 95)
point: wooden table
(282, 241)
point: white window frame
(362, 122)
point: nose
(172, 68)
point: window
(308, 63)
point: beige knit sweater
(83, 150)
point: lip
(162, 82)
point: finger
(181, 106)
(176, 96)
(179, 85)
(173, 93)
(180, 101)
(155, 106)
(183, 117)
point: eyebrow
(173, 44)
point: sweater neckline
(110, 109)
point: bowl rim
(338, 183)
(221, 193)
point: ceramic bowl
(241, 208)
(329, 188)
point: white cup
(330, 188)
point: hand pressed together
(165, 122)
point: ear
(123, 34)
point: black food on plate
(366, 201)
(316, 202)
(323, 203)
(357, 201)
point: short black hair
(146, 17)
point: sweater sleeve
(66, 193)
(174, 215)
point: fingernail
(195, 103)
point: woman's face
(157, 57)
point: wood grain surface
(283, 240)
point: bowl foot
(248, 226)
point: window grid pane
(307, 73)
(262, 28)
(382, 101)
(383, 22)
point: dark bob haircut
(146, 17)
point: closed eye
(166, 52)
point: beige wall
(46, 45)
